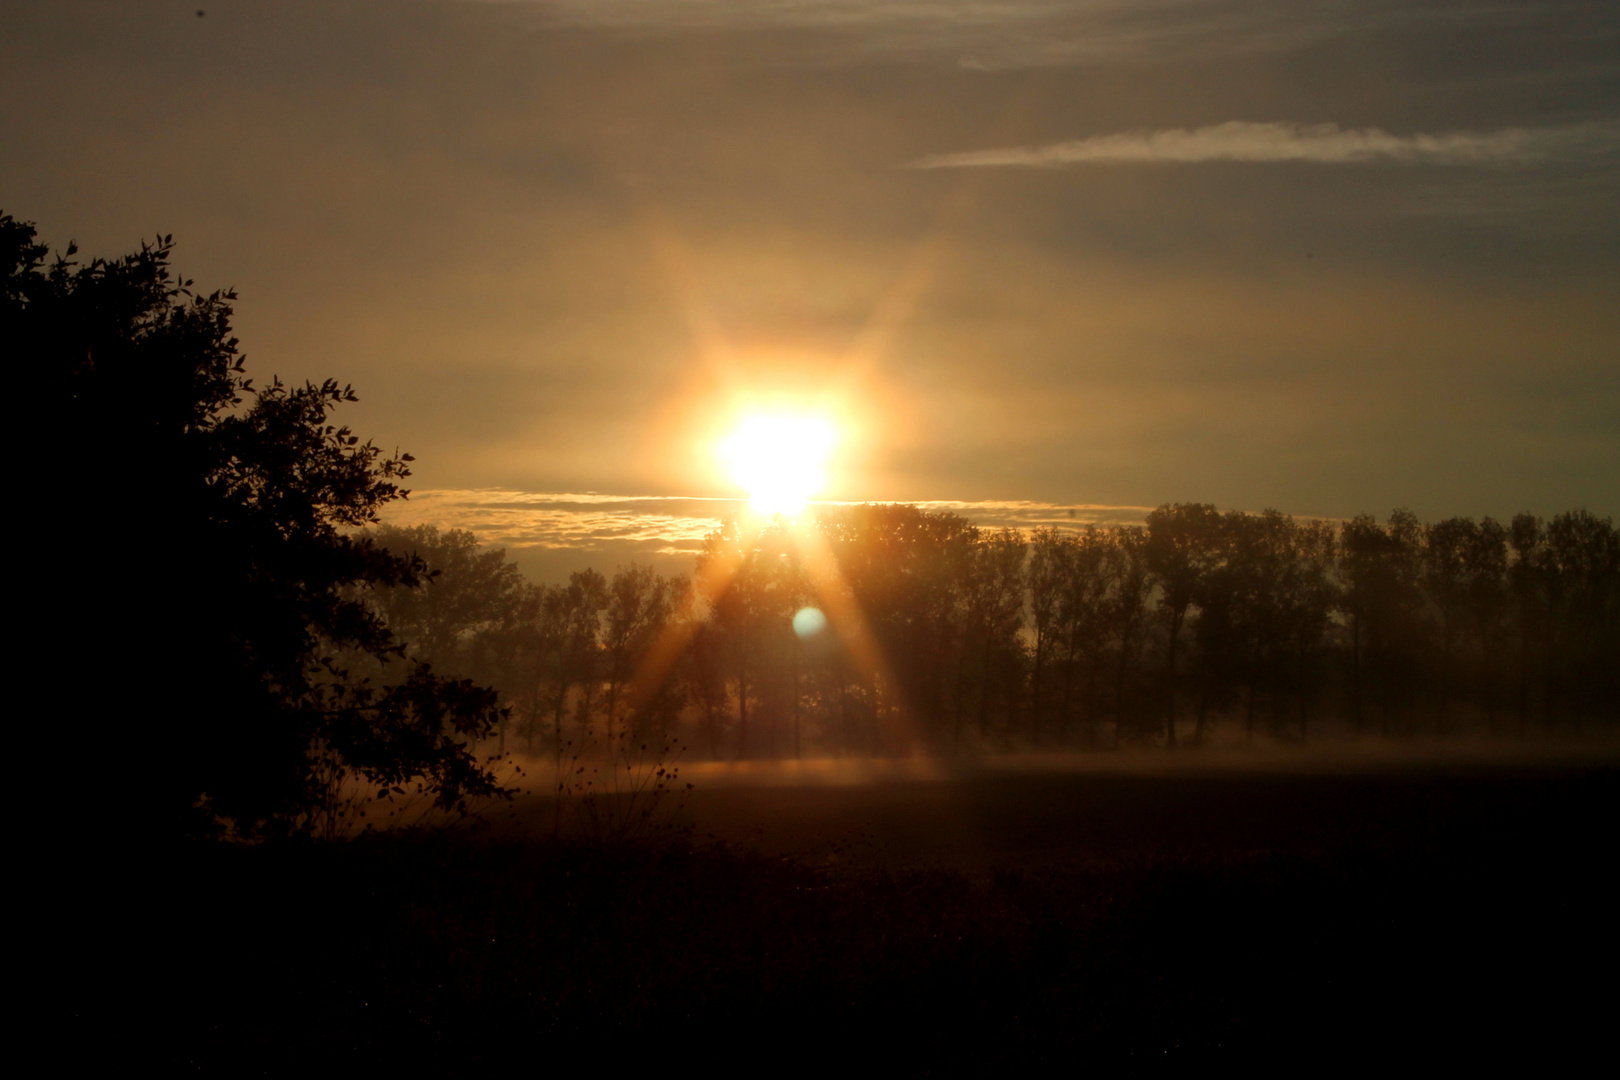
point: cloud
(966, 14)
(669, 525)
(568, 521)
(991, 35)
(552, 534)
(1327, 144)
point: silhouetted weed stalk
(347, 804)
(629, 789)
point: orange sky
(1329, 258)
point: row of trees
(929, 633)
(287, 643)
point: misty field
(922, 924)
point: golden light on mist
(779, 459)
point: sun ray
(714, 577)
(836, 599)
(850, 624)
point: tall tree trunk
(557, 757)
(874, 735)
(796, 754)
(847, 728)
(1090, 697)
(1035, 691)
(557, 721)
(539, 681)
(1549, 681)
(742, 706)
(1170, 711)
(960, 707)
(1524, 677)
(1065, 710)
(984, 692)
(612, 705)
(1299, 674)
(1443, 708)
(1355, 672)
(1119, 689)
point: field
(918, 920)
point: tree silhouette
(232, 590)
(1181, 548)
(1582, 566)
(1485, 563)
(470, 592)
(262, 634)
(944, 658)
(995, 605)
(1445, 582)
(907, 571)
(1527, 536)
(640, 604)
(1308, 607)
(1052, 557)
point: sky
(1035, 256)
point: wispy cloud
(1328, 144)
(808, 13)
(996, 34)
(569, 521)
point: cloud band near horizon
(675, 524)
(1328, 144)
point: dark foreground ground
(1392, 919)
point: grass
(1465, 916)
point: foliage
(942, 636)
(468, 595)
(221, 519)
(948, 638)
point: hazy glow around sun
(780, 460)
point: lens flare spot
(808, 622)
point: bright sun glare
(779, 460)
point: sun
(780, 460)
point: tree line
(927, 633)
(284, 642)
